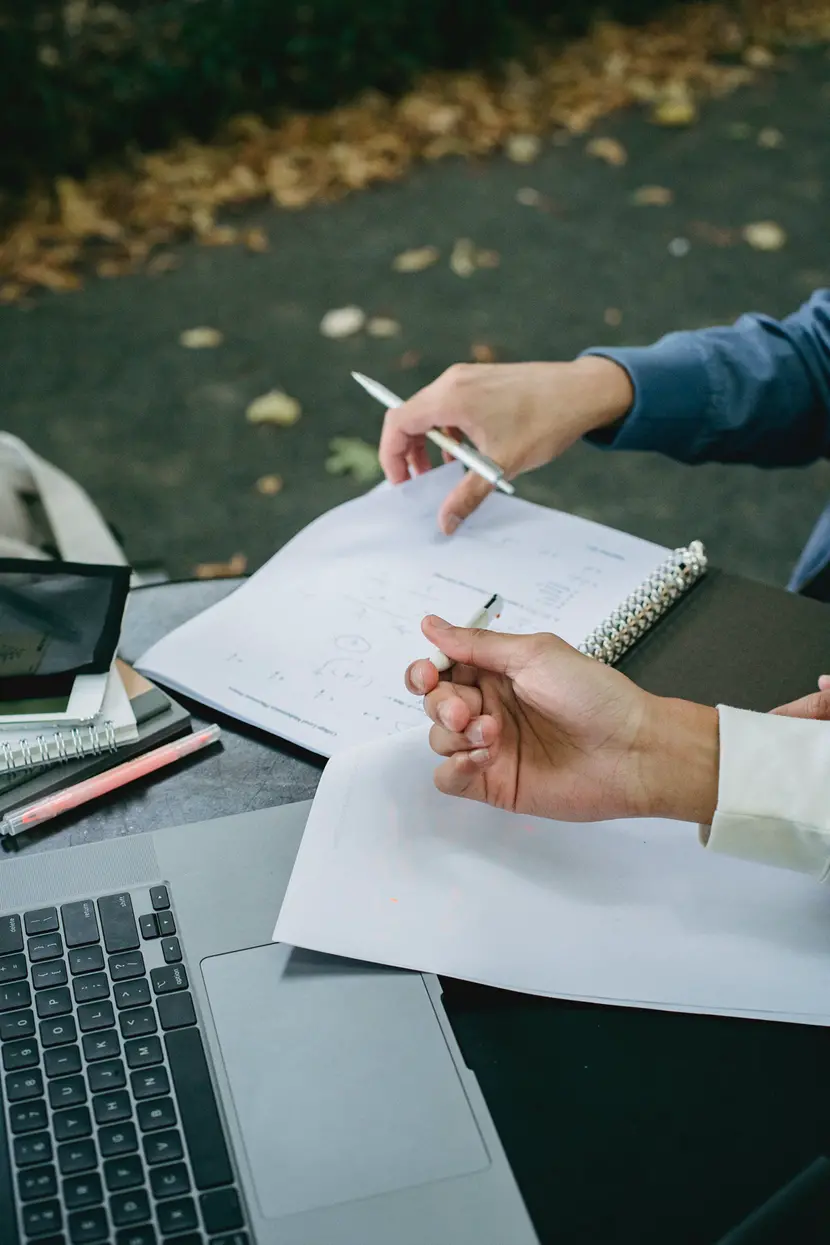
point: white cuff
(773, 791)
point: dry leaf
(764, 235)
(607, 149)
(58, 280)
(274, 407)
(770, 137)
(463, 258)
(351, 456)
(221, 235)
(528, 197)
(523, 148)
(487, 259)
(200, 338)
(256, 240)
(237, 566)
(11, 292)
(342, 322)
(714, 234)
(679, 247)
(482, 353)
(416, 260)
(758, 57)
(674, 106)
(612, 316)
(160, 264)
(383, 326)
(269, 485)
(114, 267)
(652, 196)
(409, 358)
(80, 216)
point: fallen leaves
(351, 456)
(675, 106)
(612, 317)
(770, 137)
(528, 197)
(609, 150)
(202, 338)
(679, 248)
(409, 359)
(764, 235)
(269, 486)
(523, 148)
(232, 569)
(416, 260)
(383, 326)
(482, 353)
(342, 322)
(652, 196)
(466, 258)
(274, 407)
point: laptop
(171, 1074)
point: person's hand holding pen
(520, 415)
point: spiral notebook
(314, 646)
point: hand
(816, 705)
(529, 724)
(519, 414)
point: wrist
(606, 393)
(679, 761)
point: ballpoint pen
(466, 454)
(481, 620)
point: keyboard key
(159, 898)
(111, 1108)
(117, 1139)
(32, 1148)
(131, 993)
(166, 924)
(149, 925)
(86, 960)
(21, 1054)
(202, 1126)
(87, 1227)
(118, 923)
(169, 1181)
(101, 1045)
(163, 1147)
(178, 1216)
(176, 1010)
(137, 1023)
(37, 1182)
(13, 967)
(52, 973)
(76, 1156)
(130, 964)
(158, 1113)
(123, 1173)
(41, 1217)
(58, 1032)
(11, 934)
(27, 1117)
(69, 1125)
(17, 1025)
(43, 921)
(45, 947)
(171, 950)
(105, 1076)
(91, 988)
(15, 994)
(128, 1208)
(81, 1191)
(69, 1091)
(53, 1002)
(94, 1016)
(149, 1083)
(145, 1235)
(80, 925)
(166, 980)
(23, 1085)
(143, 1052)
(62, 1061)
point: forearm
(680, 761)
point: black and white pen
(482, 618)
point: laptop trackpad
(341, 1079)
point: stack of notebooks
(41, 754)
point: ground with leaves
(209, 408)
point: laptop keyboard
(110, 1130)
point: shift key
(80, 924)
(118, 923)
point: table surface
(620, 1124)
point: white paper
(314, 646)
(624, 912)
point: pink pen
(101, 784)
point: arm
(758, 392)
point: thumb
(816, 706)
(462, 501)
(495, 651)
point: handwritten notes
(314, 646)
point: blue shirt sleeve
(756, 392)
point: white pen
(480, 620)
(466, 454)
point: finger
(481, 733)
(421, 677)
(815, 706)
(425, 410)
(490, 650)
(461, 775)
(453, 706)
(417, 457)
(824, 682)
(462, 501)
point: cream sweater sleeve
(773, 791)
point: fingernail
(452, 523)
(439, 623)
(824, 682)
(479, 756)
(416, 679)
(444, 717)
(474, 733)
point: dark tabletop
(621, 1125)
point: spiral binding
(641, 610)
(57, 746)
